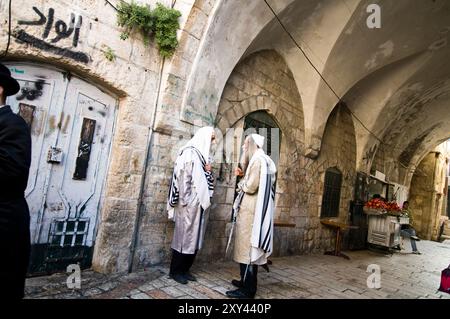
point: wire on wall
(326, 82)
(115, 8)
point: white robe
(254, 221)
(189, 215)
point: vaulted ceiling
(395, 79)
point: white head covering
(259, 140)
(201, 141)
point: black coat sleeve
(15, 150)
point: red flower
(376, 204)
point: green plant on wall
(161, 24)
(109, 54)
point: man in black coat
(15, 158)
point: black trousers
(249, 278)
(181, 263)
(14, 249)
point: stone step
(446, 230)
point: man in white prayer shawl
(190, 193)
(253, 211)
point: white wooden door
(72, 124)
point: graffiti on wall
(31, 91)
(61, 30)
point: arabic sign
(61, 30)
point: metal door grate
(69, 232)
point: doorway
(72, 125)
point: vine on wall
(161, 24)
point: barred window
(69, 232)
(331, 193)
(262, 123)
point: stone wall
(154, 232)
(142, 81)
(133, 76)
(175, 77)
(428, 194)
(339, 151)
(262, 82)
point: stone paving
(403, 276)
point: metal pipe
(144, 174)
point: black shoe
(239, 294)
(266, 267)
(179, 278)
(190, 276)
(237, 283)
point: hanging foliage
(161, 24)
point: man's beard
(245, 160)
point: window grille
(69, 232)
(263, 124)
(331, 194)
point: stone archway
(338, 152)
(428, 193)
(261, 82)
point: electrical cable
(323, 78)
(112, 5)
(319, 73)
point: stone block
(188, 46)
(196, 23)
(137, 162)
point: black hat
(9, 84)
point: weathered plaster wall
(177, 74)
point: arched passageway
(428, 194)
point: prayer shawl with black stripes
(262, 231)
(202, 179)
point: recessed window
(331, 193)
(262, 123)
